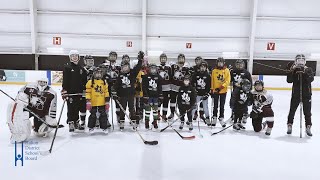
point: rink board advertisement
(15, 76)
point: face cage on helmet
(163, 60)
(98, 74)
(246, 88)
(125, 68)
(126, 59)
(181, 60)
(240, 65)
(42, 85)
(186, 82)
(258, 87)
(220, 64)
(89, 62)
(203, 68)
(74, 58)
(197, 61)
(300, 62)
(153, 70)
(112, 57)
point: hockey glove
(257, 109)
(88, 105)
(107, 106)
(64, 94)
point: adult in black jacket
(299, 72)
(124, 89)
(186, 99)
(74, 82)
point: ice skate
(221, 121)
(181, 125)
(190, 126)
(308, 130)
(82, 125)
(289, 131)
(268, 131)
(105, 131)
(97, 124)
(236, 127)
(155, 124)
(241, 126)
(71, 126)
(214, 121)
(91, 130)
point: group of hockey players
(155, 89)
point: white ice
(122, 155)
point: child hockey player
(186, 99)
(241, 98)
(261, 108)
(237, 75)
(202, 82)
(97, 96)
(179, 70)
(193, 70)
(220, 80)
(165, 73)
(74, 82)
(40, 99)
(88, 66)
(152, 94)
(300, 73)
(123, 89)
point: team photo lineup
(103, 98)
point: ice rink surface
(122, 155)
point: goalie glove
(44, 129)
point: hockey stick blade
(151, 142)
(221, 130)
(184, 137)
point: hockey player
(262, 101)
(186, 99)
(88, 66)
(301, 76)
(41, 99)
(220, 80)
(194, 70)
(74, 82)
(138, 95)
(202, 82)
(179, 70)
(124, 88)
(237, 75)
(152, 94)
(97, 96)
(165, 73)
(241, 98)
(3, 76)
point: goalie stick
(34, 114)
(136, 129)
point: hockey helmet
(153, 69)
(163, 59)
(300, 60)
(74, 56)
(181, 59)
(258, 85)
(220, 62)
(88, 61)
(245, 85)
(198, 60)
(42, 84)
(240, 64)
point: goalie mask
(153, 69)
(97, 73)
(198, 60)
(74, 56)
(42, 84)
(203, 66)
(186, 80)
(300, 60)
(220, 62)
(258, 85)
(181, 60)
(113, 56)
(88, 61)
(163, 59)
(240, 64)
(245, 85)
(125, 67)
(126, 58)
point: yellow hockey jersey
(97, 92)
(220, 78)
(138, 85)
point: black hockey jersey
(151, 85)
(74, 78)
(238, 75)
(202, 83)
(186, 96)
(41, 103)
(89, 71)
(178, 74)
(240, 100)
(125, 83)
(166, 76)
(307, 78)
(112, 73)
(194, 69)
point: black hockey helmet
(300, 60)
(258, 85)
(88, 61)
(203, 66)
(240, 64)
(126, 58)
(125, 66)
(152, 69)
(103, 68)
(220, 62)
(187, 80)
(198, 60)
(97, 73)
(113, 56)
(181, 59)
(163, 59)
(245, 85)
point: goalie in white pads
(41, 99)
(262, 101)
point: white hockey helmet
(74, 56)
(42, 84)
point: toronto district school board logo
(28, 151)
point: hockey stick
(301, 104)
(112, 114)
(199, 129)
(222, 130)
(34, 114)
(182, 137)
(136, 129)
(55, 132)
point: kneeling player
(152, 94)
(186, 101)
(262, 101)
(39, 98)
(97, 96)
